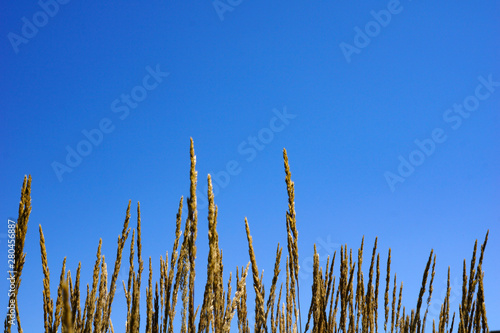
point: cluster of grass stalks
(343, 303)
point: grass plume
(344, 303)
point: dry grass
(343, 303)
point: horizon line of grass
(346, 304)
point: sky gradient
(388, 111)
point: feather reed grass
(20, 232)
(346, 303)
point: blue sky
(391, 128)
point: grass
(343, 303)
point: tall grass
(339, 303)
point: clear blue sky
(352, 96)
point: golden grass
(19, 256)
(343, 303)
